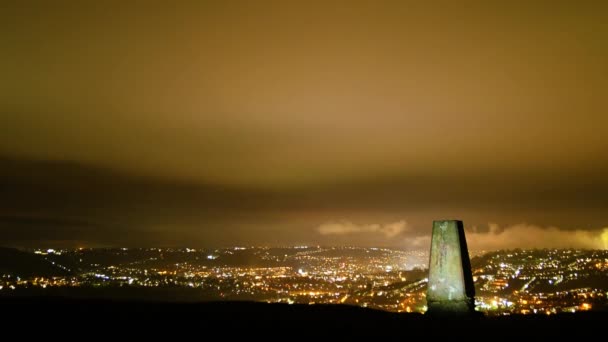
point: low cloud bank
(532, 236)
(389, 230)
(521, 235)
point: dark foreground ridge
(146, 318)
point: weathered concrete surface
(450, 288)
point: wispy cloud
(520, 235)
(389, 230)
(531, 236)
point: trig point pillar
(450, 288)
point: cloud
(531, 236)
(523, 235)
(389, 230)
(417, 242)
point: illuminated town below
(547, 281)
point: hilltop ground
(106, 318)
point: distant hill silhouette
(23, 264)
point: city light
(506, 282)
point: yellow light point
(585, 306)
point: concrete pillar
(450, 288)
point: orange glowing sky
(240, 122)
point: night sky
(221, 123)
